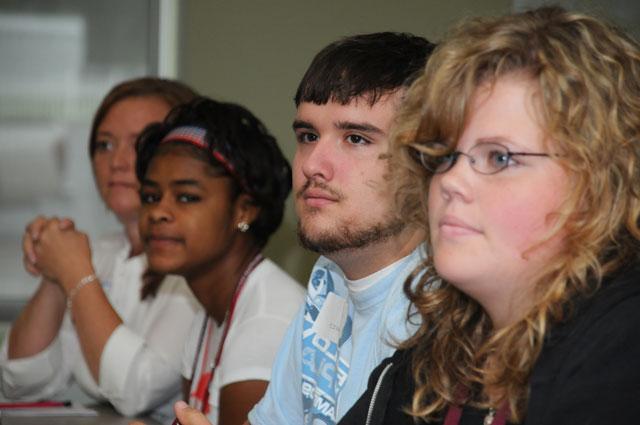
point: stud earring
(243, 226)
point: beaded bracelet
(81, 283)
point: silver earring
(243, 226)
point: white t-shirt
(266, 305)
(140, 363)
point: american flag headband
(195, 136)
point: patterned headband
(195, 136)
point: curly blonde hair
(588, 75)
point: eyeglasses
(484, 158)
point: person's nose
(123, 156)
(317, 160)
(161, 211)
(456, 183)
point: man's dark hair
(259, 167)
(368, 65)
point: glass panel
(59, 58)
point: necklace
(493, 417)
(488, 419)
(199, 398)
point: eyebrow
(104, 133)
(185, 182)
(511, 145)
(495, 139)
(181, 182)
(300, 124)
(364, 127)
(341, 125)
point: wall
(624, 13)
(255, 53)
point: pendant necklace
(488, 419)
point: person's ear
(246, 212)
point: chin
(310, 228)
(124, 206)
(163, 266)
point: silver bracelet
(81, 283)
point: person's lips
(315, 197)
(452, 226)
(162, 241)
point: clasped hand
(52, 247)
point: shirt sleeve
(140, 371)
(282, 403)
(40, 376)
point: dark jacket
(588, 371)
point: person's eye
(104, 146)
(437, 164)
(499, 159)
(187, 198)
(356, 139)
(444, 162)
(149, 198)
(306, 137)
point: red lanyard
(454, 413)
(199, 398)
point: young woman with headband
(214, 183)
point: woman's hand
(30, 239)
(62, 253)
(39, 322)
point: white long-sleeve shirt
(141, 362)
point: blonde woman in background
(519, 151)
(93, 319)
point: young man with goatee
(355, 312)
